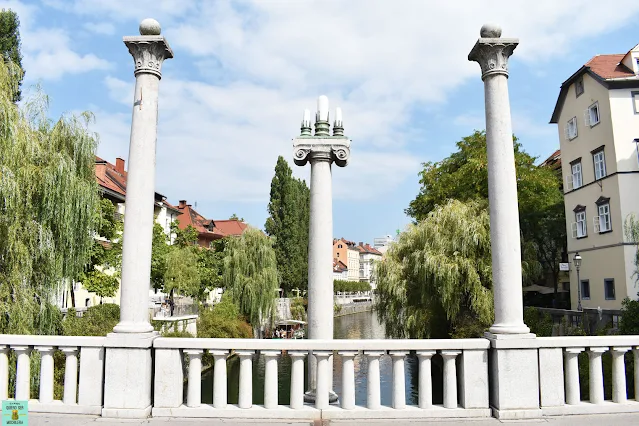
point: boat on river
(288, 329)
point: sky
(232, 98)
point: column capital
(426, 354)
(573, 351)
(193, 352)
(492, 52)
(245, 353)
(297, 354)
(595, 351)
(149, 52)
(328, 148)
(348, 354)
(44, 349)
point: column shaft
(450, 378)
(270, 379)
(323, 380)
(219, 379)
(425, 380)
(4, 373)
(571, 367)
(23, 373)
(46, 374)
(70, 375)
(596, 375)
(619, 394)
(194, 385)
(348, 379)
(245, 398)
(373, 397)
(399, 380)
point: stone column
(149, 50)
(128, 375)
(492, 53)
(321, 150)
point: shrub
(97, 321)
(223, 321)
(350, 286)
(539, 322)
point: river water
(357, 326)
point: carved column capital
(329, 149)
(149, 52)
(492, 55)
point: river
(357, 326)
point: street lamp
(577, 261)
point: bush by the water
(223, 321)
(350, 286)
(97, 321)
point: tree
(182, 274)
(10, 49)
(235, 217)
(159, 250)
(436, 281)
(631, 231)
(48, 200)
(288, 223)
(464, 176)
(250, 274)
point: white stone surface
(551, 372)
(323, 379)
(46, 374)
(245, 397)
(150, 26)
(473, 379)
(571, 371)
(297, 379)
(23, 372)
(619, 394)
(169, 379)
(450, 378)
(425, 386)
(270, 379)
(596, 384)
(373, 397)
(399, 380)
(514, 375)
(348, 379)
(219, 379)
(194, 390)
(70, 375)
(91, 376)
(127, 385)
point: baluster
(619, 394)
(635, 352)
(348, 379)
(373, 400)
(194, 389)
(571, 367)
(219, 378)
(46, 374)
(4, 372)
(450, 378)
(399, 379)
(323, 379)
(596, 375)
(270, 379)
(245, 399)
(297, 379)
(425, 379)
(23, 372)
(70, 375)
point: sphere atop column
(490, 31)
(150, 26)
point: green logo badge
(15, 413)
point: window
(579, 87)
(576, 175)
(592, 115)
(579, 229)
(602, 222)
(599, 159)
(571, 129)
(615, 321)
(339, 246)
(585, 289)
(609, 288)
(635, 102)
(337, 254)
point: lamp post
(577, 261)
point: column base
(509, 329)
(127, 413)
(309, 397)
(516, 414)
(133, 327)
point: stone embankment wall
(354, 308)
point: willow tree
(48, 199)
(250, 274)
(436, 282)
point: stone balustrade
(465, 381)
(83, 372)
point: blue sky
(233, 97)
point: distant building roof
(339, 266)
(554, 161)
(208, 229)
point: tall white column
(321, 150)
(492, 53)
(46, 374)
(149, 50)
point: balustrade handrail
(28, 340)
(313, 344)
(567, 342)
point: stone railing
(83, 355)
(465, 378)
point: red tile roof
(609, 66)
(339, 266)
(231, 226)
(208, 229)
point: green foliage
(629, 322)
(223, 321)
(182, 274)
(540, 323)
(184, 237)
(250, 274)
(438, 276)
(631, 232)
(464, 176)
(298, 308)
(10, 49)
(177, 334)
(159, 250)
(97, 321)
(350, 286)
(210, 264)
(48, 200)
(288, 223)
(235, 217)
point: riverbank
(354, 308)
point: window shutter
(567, 131)
(596, 224)
(587, 117)
(569, 183)
(573, 227)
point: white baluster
(323, 379)
(70, 375)
(219, 378)
(46, 374)
(348, 379)
(194, 386)
(270, 379)
(450, 378)
(619, 394)
(399, 379)
(297, 379)
(635, 352)
(596, 375)
(425, 379)
(23, 372)
(245, 398)
(571, 367)
(373, 398)
(4, 372)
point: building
(208, 230)
(347, 252)
(597, 114)
(368, 256)
(382, 244)
(340, 271)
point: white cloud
(105, 28)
